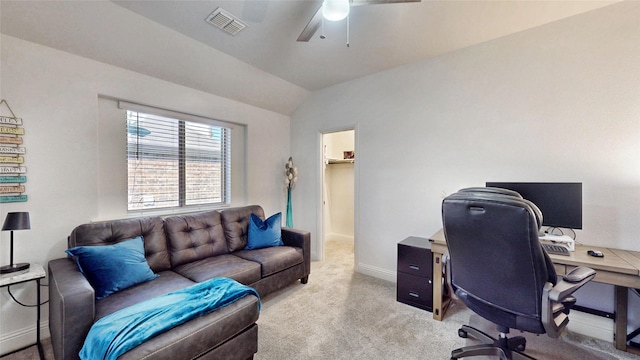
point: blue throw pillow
(264, 234)
(111, 268)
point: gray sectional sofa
(183, 250)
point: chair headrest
(498, 194)
(492, 190)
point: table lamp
(15, 221)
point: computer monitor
(560, 203)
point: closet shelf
(340, 161)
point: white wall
(559, 102)
(340, 190)
(338, 142)
(73, 168)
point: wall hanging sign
(12, 155)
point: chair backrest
(498, 267)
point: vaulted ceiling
(170, 39)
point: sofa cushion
(264, 233)
(243, 271)
(111, 268)
(166, 282)
(273, 259)
(236, 222)
(194, 339)
(194, 237)
(111, 232)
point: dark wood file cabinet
(415, 273)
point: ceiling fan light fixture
(335, 10)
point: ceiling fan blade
(312, 26)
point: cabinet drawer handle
(414, 267)
(415, 295)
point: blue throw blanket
(117, 333)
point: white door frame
(321, 192)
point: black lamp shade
(17, 221)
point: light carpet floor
(340, 314)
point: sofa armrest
(71, 308)
(300, 239)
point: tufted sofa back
(194, 237)
(236, 222)
(112, 232)
(175, 240)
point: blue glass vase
(289, 223)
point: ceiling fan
(335, 10)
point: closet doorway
(338, 194)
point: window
(176, 163)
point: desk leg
(438, 311)
(621, 302)
(38, 343)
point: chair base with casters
(557, 302)
(505, 348)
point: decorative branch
(290, 174)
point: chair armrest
(554, 316)
(571, 282)
(71, 308)
(300, 239)
(578, 274)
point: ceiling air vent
(225, 21)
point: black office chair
(499, 270)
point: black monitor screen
(560, 203)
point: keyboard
(555, 249)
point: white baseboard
(23, 337)
(376, 272)
(597, 327)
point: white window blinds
(176, 163)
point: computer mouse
(595, 253)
